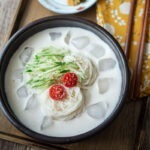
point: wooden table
(131, 129)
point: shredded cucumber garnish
(48, 66)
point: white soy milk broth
(82, 122)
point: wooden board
(146, 129)
(30, 13)
(120, 135)
(143, 138)
(8, 14)
(145, 132)
(6, 145)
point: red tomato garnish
(70, 79)
(57, 92)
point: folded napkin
(113, 15)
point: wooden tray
(123, 134)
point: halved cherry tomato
(57, 92)
(70, 79)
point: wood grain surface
(5, 145)
(8, 14)
(32, 7)
(129, 131)
(143, 138)
(145, 132)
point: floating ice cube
(98, 110)
(103, 85)
(106, 64)
(47, 121)
(55, 35)
(26, 55)
(22, 91)
(18, 74)
(67, 38)
(96, 50)
(32, 103)
(80, 42)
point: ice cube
(67, 38)
(96, 50)
(80, 42)
(26, 55)
(98, 110)
(106, 64)
(32, 103)
(22, 91)
(18, 74)
(103, 85)
(47, 122)
(55, 35)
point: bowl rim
(64, 140)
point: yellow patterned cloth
(113, 15)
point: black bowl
(60, 21)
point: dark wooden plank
(25, 140)
(5, 145)
(146, 143)
(143, 139)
